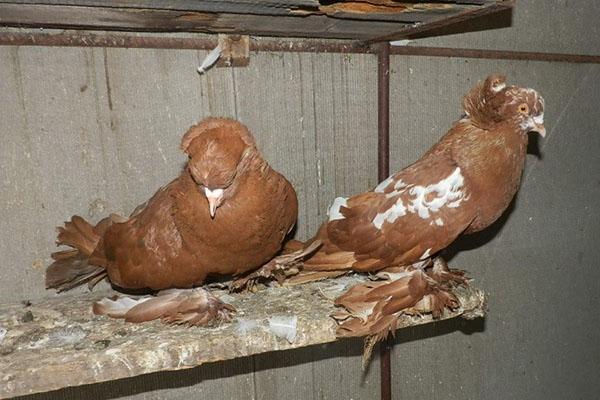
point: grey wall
(539, 265)
(92, 131)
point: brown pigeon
(461, 185)
(228, 212)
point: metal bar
(383, 171)
(383, 111)
(82, 39)
(168, 42)
(494, 54)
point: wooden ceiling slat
(344, 19)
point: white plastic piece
(284, 327)
(210, 60)
(244, 326)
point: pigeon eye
(523, 108)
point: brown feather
(461, 185)
(172, 241)
(191, 307)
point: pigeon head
(524, 107)
(218, 151)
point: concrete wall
(539, 264)
(92, 131)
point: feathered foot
(372, 309)
(279, 268)
(445, 276)
(193, 307)
(312, 276)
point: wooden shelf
(56, 343)
(367, 20)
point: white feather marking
(499, 87)
(3, 332)
(425, 255)
(447, 192)
(384, 184)
(399, 188)
(210, 59)
(213, 194)
(399, 185)
(390, 215)
(334, 211)
(284, 327)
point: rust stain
(372, 7)
(361, 8)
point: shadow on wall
(440, 328)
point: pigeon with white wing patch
(461, 185)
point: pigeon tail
(72, 268)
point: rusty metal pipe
(85, 39)
(494, 54)
(383, 171)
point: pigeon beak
(541, 129)
(214, 198)
(538, 125)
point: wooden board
(57, 343)
(361, 20)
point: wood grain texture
(62, 343)
(347, 20)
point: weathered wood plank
(441, 23)
(58, 343)
(370, 9)
(190, 21)
(304, 18)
